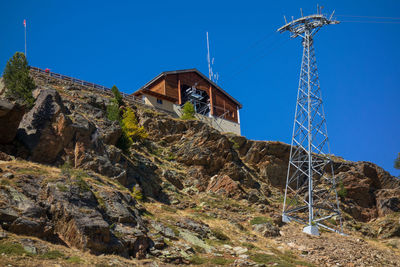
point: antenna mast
(310, 194)
(210, 74)
(213, 77)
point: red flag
(24, 23)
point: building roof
(185, 71)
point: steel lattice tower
(310, 194)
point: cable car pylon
(310, 193)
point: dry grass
(58, 255)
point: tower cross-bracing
(310, 193)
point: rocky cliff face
(190, 175)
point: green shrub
(12, 249)
(62, 187)
(83, 186)
(74, 259)
(219, 234)
(52, 255)
(196, 260)
(136, 193)
(171, 156)
(220, 261)
(188, 111)
(342, 192)
(17, 80)
(113, 111)
(260, 220)
(66, 169)
(131, 131)
(117, 96)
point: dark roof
(185, 71)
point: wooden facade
(171, 86)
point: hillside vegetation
(182, 193)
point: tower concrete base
(311, 230)
(285, 218)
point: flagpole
(25, 37)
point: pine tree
(188, 111)
(113, 111)
(17, 80)
(117, 95)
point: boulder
(267, 229)
(388, 201)
(45, 130)
(226, 186)
(111, 133)
(10, 117)
(78, 222)
(200, 228)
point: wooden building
(172, 89)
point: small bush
(220, 261)
(113, 111)
(62, 187)
(74, 259)
(259, 220)
(136, 193)
(342, 192)
(17, 80)
(131, 129)
(171, 156)
(4, 181)
(196, 260)
(78, 173)
(52, 255)
(66, 169)
(188, 111)
(117, 96)
(219, 234)
(168, 208)
(83, 186)
(12, 249)
(248, 245)
(100, 200)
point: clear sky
(127, 43)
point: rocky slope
(209, 198)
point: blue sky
(127, 43)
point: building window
(159, 101)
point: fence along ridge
(89, 84)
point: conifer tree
(113, 111)
(117, 95)
(131, 128)
(17, 80)
(188, 111)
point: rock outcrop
(74, 213)
(183, 167)
(10, 117)
(46, 129)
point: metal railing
(84, 83)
